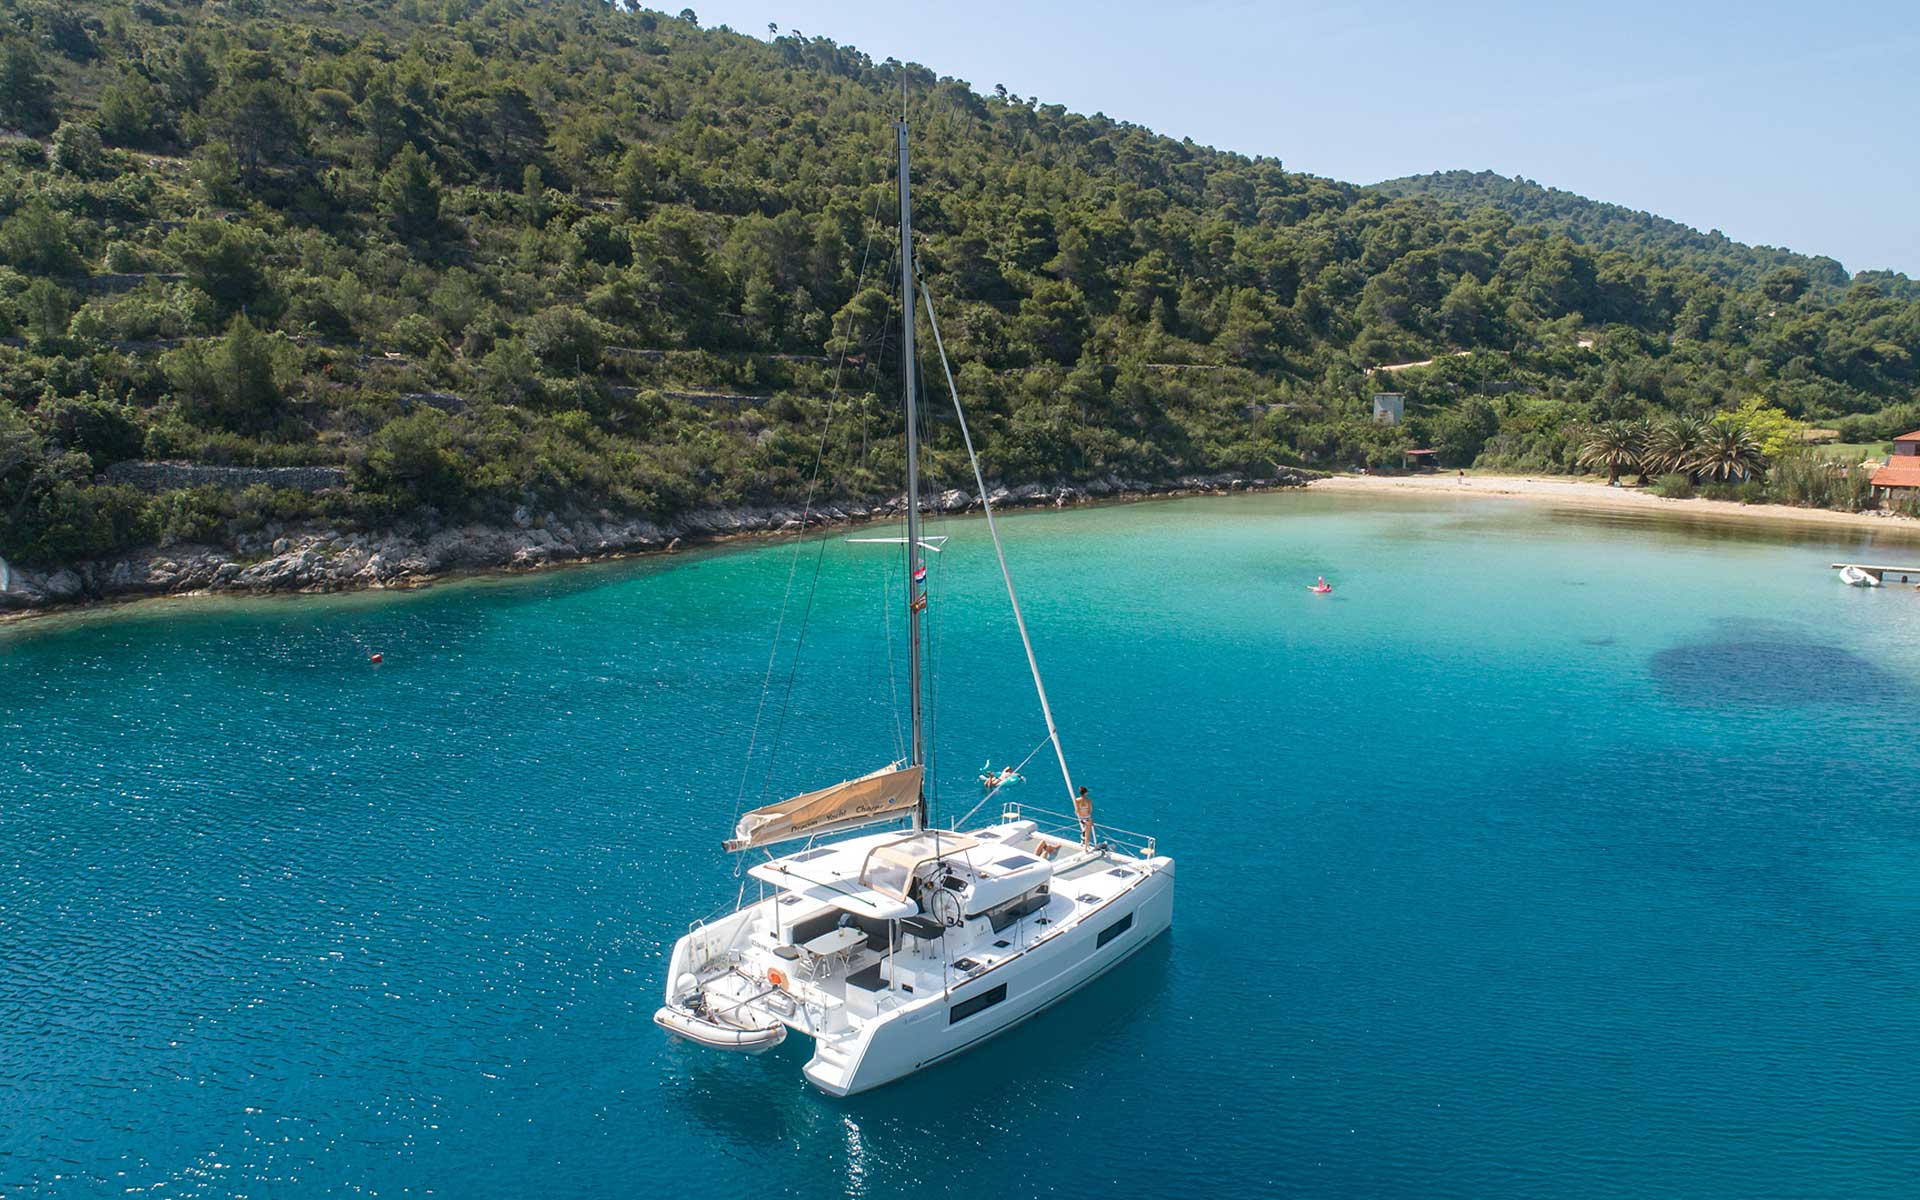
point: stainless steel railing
(1066, 827)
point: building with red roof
(1899, 479)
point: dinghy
(745, 1029)
(1855, 577)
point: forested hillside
(1602, 226)
(560, 256)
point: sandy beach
(1594, 494)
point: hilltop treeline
(1601, 227)
(556, 255)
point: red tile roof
(1902, 471)
(1909, 437)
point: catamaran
(900, 949)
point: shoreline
(317, 560)
(320, 561)
(1583, 494)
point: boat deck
(898, 959)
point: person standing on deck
(1083, 808)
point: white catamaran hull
(930, 1033)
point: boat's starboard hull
(991, 1003)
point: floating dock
(1885, 574)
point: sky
(1794, 125)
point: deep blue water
(1549, 856)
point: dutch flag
(920, 573)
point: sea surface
(1550, 855)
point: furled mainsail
(885, 793)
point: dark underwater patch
(1772, 671)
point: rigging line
(986, 506)
(773, 653)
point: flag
(920, 573)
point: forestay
(883, 794)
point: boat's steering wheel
(944, 907)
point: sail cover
(885, 793)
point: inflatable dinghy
(743, 1036)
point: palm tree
(1674, 444)
(1729, 452)
(1615, 445)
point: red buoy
(373, 658)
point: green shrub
(77, 150)
(255, 507)
(126, 258)
(1673, 486)
(106, 433)
(1808, 479)
(188, 515)
(415, 334)
(228, 262)
(565, 340)
(234, 384)
(40, 239)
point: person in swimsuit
(1083, 808)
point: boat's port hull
(929, 1033)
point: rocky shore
(320, 559)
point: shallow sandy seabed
(1564, 492)
(1590, 493)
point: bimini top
(890, 865)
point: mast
(916, 594)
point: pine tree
(410, 193)
(26, 94)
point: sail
(885, 793)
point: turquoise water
(1548, 856)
